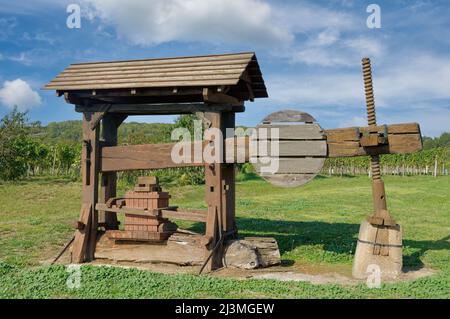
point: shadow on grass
(339, 238)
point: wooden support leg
(110, 125)
(229, 182)
(220, 195)
(85, 240)
(213, 181)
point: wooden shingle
(239, 72)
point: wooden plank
(345, 149)
(188, 66)
(141, 84)
(127, 210)
(110, 123)
(228, 67)
(293, 132)
(135, 235)
(405, 128)
(166, 61)
(164, 108)
(228, 179)
(88, 76)
(155, 156)
(214, 198)
(398, 144)
(90, 190)
(144, 78)
(185, 214)
(342, 134)
(299, 148)
(134, 157)
(82, 235)
(354, 133)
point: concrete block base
(366, 262)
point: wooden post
(86, 235)
(220, 195)
(229, 180)
(110, 125)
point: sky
(309, 52)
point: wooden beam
(169, 212)
(161, 109)
(209, 96)
(98, 116)
(127, 210)
(82, 234)
(136, 157)
(185, 214)
(402, 139)
(90, 181)
(110, 125)
(214, 201)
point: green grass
(315, 225)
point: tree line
(31, 149)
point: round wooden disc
(302, 148)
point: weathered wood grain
(82, 235)
(205, 71)
(292, 132)
(294, 166)
(298, 148)
(340, 143)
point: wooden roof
(239, 72)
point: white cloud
(354, 121)
(329, 49)
(305, 16)
(19, 93)
(413, 89)
(153, 22)
(414, 79)
(317, 89)
(243, 22)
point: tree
(13, 138)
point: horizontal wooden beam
(170, 212)
(402, 139)
(126, 210)
(136, 157)
(185, 214)
(161, 109)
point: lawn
(315, 225)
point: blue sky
(309, 52)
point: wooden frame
(215, 87)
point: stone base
(251, 253)
(365, 263)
